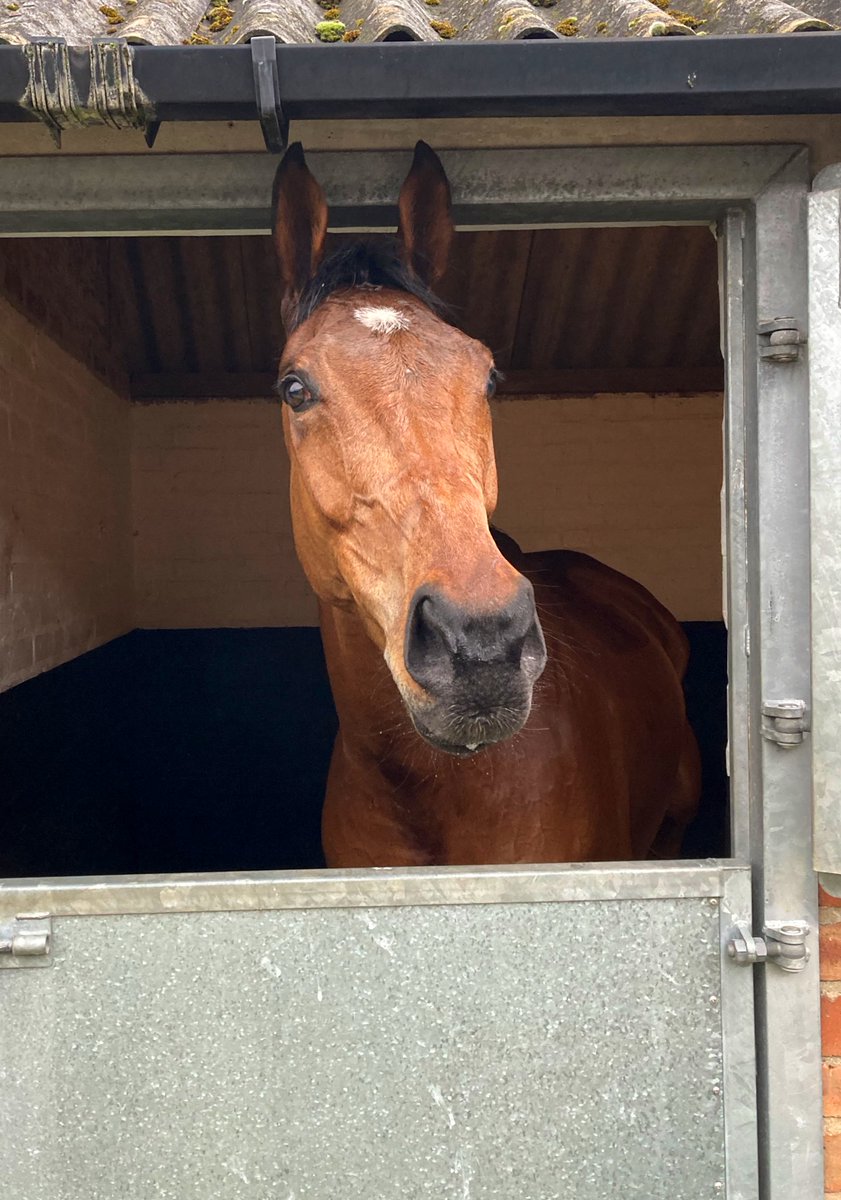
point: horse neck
(365, 694)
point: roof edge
(714, 76)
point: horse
(494, 706)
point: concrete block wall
(634, 480)
(65, 537)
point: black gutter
(666, 76)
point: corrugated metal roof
(564, 310)
(620, 300)
(170, 22)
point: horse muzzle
(476, 668)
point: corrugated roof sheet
(563, 310)
(543, 300)
(170, 22)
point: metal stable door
(540, 1033)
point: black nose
(445, 641)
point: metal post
(742, 684)
(825, 423)
(788, 1020)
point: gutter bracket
(50, 93)
(270, 113)
(114, 97)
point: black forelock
(361, 264)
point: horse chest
(487, 809)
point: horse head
(393, 479)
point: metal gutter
(685, 76)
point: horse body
(605, 768)
(494, 706)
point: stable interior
(164, 704)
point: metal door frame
(756, 198)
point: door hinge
(782, 942)
(25, 940)
(784, 721)
(780, 340)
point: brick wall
(831, 1025)
(213, 540)
(634, 480)
(65, 546)
(63, 285)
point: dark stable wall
(207, 750)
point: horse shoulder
(570, 581)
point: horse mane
(362, 264)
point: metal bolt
(716, 1091)
(714, 1001)
(714, 902)
(718, 1186)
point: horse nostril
(443, 639)
(430, 647)
(533, 653)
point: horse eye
(493, 380)
(294, 393)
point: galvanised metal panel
(229, 193)
(825, 430)
(777, 493)
(549, 1048)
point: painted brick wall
(65, 544)
(213, 541)
(634, 480)
(63, 285)
(830, 913)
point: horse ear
(299, 222)
(426, 223)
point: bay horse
(494, 706)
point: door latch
(25, 941)
(782, 943)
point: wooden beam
(580, 382)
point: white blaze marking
(381, 320)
